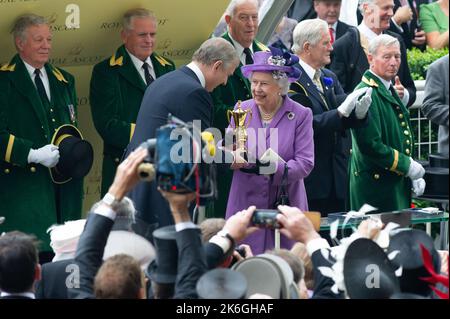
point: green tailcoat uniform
(225, 98)
(29, 199)
(116, 93)
(381, 152)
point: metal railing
(425, 132)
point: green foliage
(419, 61)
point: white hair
(362, 2)
(382, 40)
(231, 9)
(308, 31)
(23, 22)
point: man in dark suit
(183, 93)
(19, 266)
(118, 85)
(406, 23)
(350, 51)
(36, 99)
(329, 10)
(333, 114)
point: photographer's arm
(237, 227)
(99, 224)
(191, 256)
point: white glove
(362, 106)
(418, 186)
(349, 104)
(47, 155)
(415, 170)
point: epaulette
(162, 60)
(113, 61)
(59, 75)
(370, 82)
(8, 68)
(261, 46)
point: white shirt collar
(310, 71)
(31, 69)
(240, 49)
(334, 26)
(364, 29)
(194, 67)
(138, 65)
(44, 77)
(24, 294)
(387, 84)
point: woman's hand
(238, 161)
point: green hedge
(419, 61)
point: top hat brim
(84, 164)
(221, 283)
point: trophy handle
(228, 116)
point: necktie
(40, 87)
(316, 80)
(331, 30)
(148, 77)
(248, 56)
(392, 89)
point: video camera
(176, 159)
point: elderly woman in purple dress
(282, 125)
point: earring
(279, 93)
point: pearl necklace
(266, 117)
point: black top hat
(222, 283)
(164, 268)
(368, 273)
(407, 242)
(76, 155)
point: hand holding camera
(126, 175)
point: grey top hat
(222, 283)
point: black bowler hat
(76, 155)
(222, 283)
(368, 273)
(163, 270)
(409, 257)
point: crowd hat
(368, 273)
(222, 283)
(406, 242)
(164, 268)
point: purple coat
(295, 145)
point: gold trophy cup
(240, 128)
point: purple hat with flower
(276, 61)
